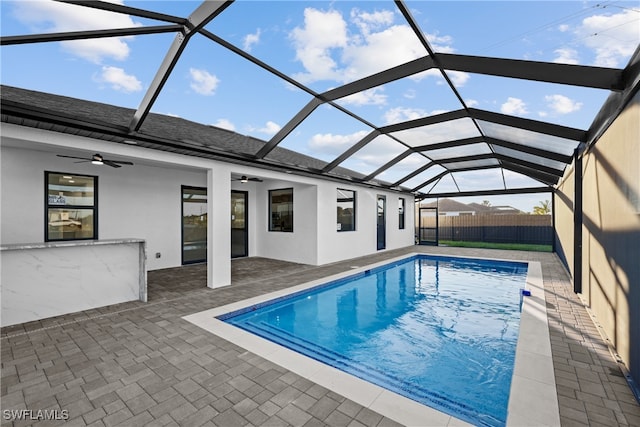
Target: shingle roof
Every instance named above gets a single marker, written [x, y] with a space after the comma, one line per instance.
[162, 128]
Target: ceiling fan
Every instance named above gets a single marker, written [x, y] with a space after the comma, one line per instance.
[97, 159]
[244, 179]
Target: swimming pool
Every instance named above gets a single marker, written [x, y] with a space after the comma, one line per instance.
[532, 397]
[441, 331]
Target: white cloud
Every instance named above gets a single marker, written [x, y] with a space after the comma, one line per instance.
[43, 16]
[613, 38]
[328, 143]
[225, 124]
[119, 80]
[321, 33]
[270, 128]
[251, 39]
[203, 82]
[566, 56]
[458, 78]
[514, 106]
[561, 104]
[471, 102]
[563, 28]
[368, 22]
[379, 51]
[410, 94]
[332, 48]
[382, 146]
[400, 114]
[374, 154]
[367, 97]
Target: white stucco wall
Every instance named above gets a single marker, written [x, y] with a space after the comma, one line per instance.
[144, 201]
[297, 246]
[137, 201]
[335, 246]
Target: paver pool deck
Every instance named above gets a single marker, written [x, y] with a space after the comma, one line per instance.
[136, 364]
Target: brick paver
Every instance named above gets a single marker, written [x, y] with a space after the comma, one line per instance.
[137, 364]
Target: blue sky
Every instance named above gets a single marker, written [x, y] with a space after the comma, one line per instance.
[324, 45]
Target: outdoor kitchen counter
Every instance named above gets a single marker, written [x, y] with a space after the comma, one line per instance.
[47, 279]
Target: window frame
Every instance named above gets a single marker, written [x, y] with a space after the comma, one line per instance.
[93, 208]
[402, 209]
[270, 223]
[354, 201]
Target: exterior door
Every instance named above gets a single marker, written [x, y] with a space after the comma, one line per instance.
[239, 230]
[382, 231]
[194, 225]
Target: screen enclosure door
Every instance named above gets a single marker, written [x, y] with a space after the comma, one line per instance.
[428, 226]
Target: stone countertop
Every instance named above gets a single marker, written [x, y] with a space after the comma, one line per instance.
[68, 243]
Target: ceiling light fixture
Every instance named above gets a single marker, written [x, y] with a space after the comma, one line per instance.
[244, 179]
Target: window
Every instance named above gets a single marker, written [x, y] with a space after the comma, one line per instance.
[346, 210]
[194, 224]
[71, 206]
[281, 210]
[401, 213]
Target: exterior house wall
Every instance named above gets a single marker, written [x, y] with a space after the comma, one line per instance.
[297, 246]
[144, 201]
[397, 238]
[133, 201]
[336, 245]
[611, 233]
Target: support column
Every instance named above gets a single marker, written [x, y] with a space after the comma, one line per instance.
[219, 227]
[577, 223]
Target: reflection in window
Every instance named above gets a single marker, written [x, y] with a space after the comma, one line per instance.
[401, 213]
[281, 210]
[71, 207]
[346, 200]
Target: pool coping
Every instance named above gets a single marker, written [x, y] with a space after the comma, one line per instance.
[533, 399]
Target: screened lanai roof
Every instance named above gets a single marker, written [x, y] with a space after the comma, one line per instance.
[434, 98]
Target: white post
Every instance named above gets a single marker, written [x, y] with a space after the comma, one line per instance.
[219, 227]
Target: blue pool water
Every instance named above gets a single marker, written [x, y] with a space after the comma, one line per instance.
[441, 331]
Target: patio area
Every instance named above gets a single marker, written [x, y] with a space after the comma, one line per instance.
[141, 364]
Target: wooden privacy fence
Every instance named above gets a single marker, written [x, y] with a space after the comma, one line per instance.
[530, 229]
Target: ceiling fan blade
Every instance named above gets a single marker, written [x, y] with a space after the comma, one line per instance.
[74, 157]
[83, 161]
[255, 179]
[111, 163]
[120, 162]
